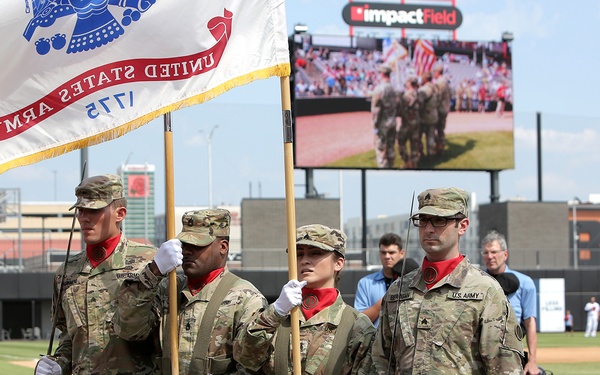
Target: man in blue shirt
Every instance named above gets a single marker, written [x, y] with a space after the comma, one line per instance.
[372, 288]
[523, 300]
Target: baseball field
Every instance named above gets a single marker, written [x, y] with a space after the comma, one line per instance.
[560, 354]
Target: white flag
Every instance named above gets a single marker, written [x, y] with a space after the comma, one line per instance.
[79, 73]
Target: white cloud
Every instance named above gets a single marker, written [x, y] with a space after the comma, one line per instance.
[584, 141]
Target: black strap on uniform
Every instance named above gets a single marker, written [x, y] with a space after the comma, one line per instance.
[200, 361]
[340, 343]
[282, 347]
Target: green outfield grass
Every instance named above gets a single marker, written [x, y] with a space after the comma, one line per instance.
[560, 340]
[21, 350]
[477, 150]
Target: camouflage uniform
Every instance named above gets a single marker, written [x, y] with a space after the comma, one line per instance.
[88, 343]
[429, 100]
[463, 325]
[443, 89]
[383, 110]
[255, 346]
[409, 131]
[144, 304]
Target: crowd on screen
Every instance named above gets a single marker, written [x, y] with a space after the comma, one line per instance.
[322, 72]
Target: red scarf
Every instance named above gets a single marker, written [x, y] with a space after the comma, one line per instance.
[435, 271]
[197, 284]
[315, 300]
[99, 252]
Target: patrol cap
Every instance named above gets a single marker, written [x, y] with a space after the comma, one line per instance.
[323, 237]
[443, 202]
[414, 81]
[384, 69]
[202, 227]
[98, 191]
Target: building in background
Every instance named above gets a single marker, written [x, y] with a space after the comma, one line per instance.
[138, 183]
[537, 233]
[35, 235]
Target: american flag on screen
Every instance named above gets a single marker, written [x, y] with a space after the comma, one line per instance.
[424, 56]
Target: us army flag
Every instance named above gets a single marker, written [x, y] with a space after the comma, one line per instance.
[79, 73]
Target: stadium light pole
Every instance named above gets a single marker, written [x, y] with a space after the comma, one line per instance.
[574, 204]
[210, 187]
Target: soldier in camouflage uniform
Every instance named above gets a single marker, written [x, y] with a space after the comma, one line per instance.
[429, 100]
[334, 337]
[88, 343]
[384, 103]
[205, 338]
[409, 131]
[447, 317]
[443, 90]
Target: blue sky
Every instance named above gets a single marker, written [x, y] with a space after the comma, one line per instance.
[555, 50]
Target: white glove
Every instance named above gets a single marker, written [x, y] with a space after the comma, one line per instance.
[169, 256]
[47, 366]
[290, 297]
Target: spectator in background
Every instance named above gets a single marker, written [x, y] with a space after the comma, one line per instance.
[523, 300]
[500, 98]
[593, 309]
[301, 88]
[569, 323]
[372, 287]
[481, 98]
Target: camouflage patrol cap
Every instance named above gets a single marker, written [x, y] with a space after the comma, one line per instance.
[98, 191]
[202, 227]
[384, 69]
[443, 202]
[323, 237]
[414, 81]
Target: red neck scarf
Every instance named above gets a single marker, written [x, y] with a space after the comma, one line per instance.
[99, 252]
[197, 284]
[435, 271]
[315, 300]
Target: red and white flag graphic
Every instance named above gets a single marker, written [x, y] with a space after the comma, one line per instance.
[80, 73]
[424, 56]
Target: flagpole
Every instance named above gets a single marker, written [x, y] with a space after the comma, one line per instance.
[288, 152]
[170, 224]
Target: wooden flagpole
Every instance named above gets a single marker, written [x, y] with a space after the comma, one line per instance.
[170, 224]
[288, 151]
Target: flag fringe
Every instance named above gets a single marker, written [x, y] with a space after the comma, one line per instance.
[280, 70]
